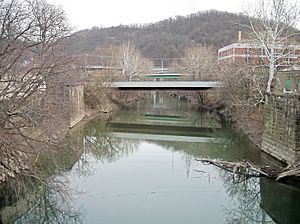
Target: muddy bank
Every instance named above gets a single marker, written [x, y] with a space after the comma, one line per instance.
[108, 106]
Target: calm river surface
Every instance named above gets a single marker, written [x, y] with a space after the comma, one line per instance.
[140, 168]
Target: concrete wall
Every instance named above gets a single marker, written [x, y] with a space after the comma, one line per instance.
[76, 104]
[66, 103]
[281, 127]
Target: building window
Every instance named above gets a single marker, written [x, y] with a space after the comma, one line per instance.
[248, 55]
[296, 84]
[248, 51]
[287, 85]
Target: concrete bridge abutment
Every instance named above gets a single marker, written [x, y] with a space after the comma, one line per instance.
[75, 103]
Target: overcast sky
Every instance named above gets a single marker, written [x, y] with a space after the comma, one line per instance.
[88, 13]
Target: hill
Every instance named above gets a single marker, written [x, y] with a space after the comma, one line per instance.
[167, 38]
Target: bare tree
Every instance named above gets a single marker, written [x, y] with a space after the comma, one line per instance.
[32, 65]
[123, 62]
[131, 61]
[245, 87]
[119, 62]
[242, 96]
[273, 26]
[199, 61]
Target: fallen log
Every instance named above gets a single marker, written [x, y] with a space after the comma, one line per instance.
[241, 168]
[248, 169]
[295, 173]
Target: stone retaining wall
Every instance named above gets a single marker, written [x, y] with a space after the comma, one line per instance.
[281, 127]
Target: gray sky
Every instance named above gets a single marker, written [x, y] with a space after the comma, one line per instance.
[88, 13]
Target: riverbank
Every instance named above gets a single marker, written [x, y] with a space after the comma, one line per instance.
[249, 124]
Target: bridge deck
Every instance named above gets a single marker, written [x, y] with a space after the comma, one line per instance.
[153, 85]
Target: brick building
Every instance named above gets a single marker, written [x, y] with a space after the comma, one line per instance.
[254, 53]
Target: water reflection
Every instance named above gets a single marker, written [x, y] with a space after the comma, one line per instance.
[103, 146]
[168, 131]
[42, 197]
[141, 168]
[280, 201]
[50, 206]
[246, 200]
[170, 113]
[31, 201]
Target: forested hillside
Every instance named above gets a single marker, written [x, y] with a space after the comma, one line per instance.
[166, 38]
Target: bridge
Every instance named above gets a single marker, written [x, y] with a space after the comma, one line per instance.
[164, 85]
[162, 79]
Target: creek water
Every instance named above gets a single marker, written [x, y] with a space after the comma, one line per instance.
[140, 167]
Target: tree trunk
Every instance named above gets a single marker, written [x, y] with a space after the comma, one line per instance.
[272, 65]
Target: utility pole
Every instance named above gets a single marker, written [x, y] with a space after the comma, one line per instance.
[192, 6]
[85, 62]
